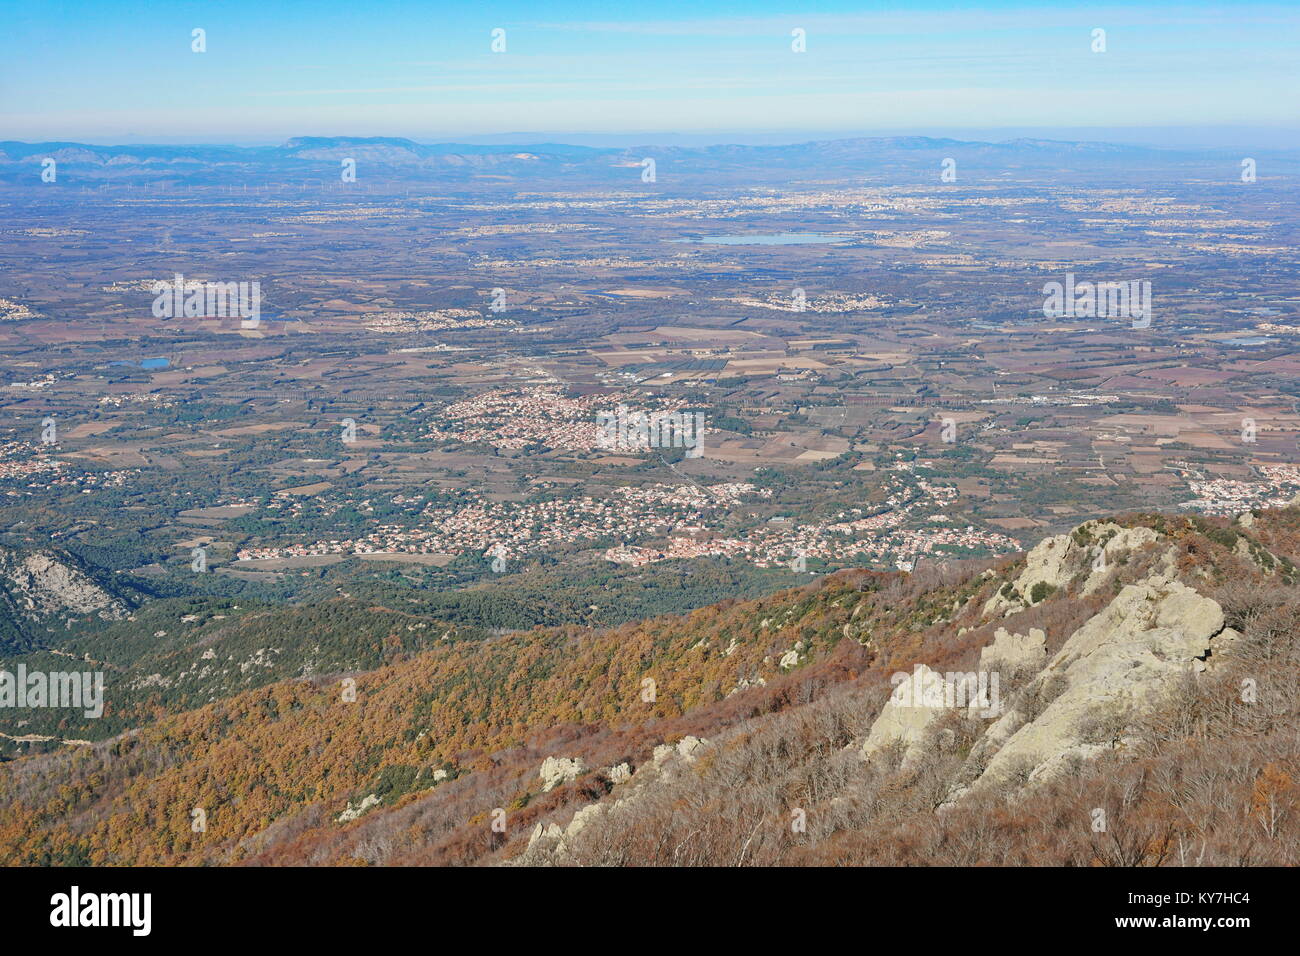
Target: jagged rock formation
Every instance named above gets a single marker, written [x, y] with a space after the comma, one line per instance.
[686, 750]
[1015, 652]
[1151, 634]
[1094, 547]
[558, 770]
[907, 716]
[368, 802]
[1112, 668]
[549, 843]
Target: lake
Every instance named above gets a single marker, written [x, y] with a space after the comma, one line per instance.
[771, 239]
[148, 363]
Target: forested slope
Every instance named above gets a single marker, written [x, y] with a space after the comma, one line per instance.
[696, 738]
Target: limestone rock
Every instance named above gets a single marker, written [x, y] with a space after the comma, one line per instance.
[558, 770]
[1012, 652]
[1147, 637]
[913, 706]
[368, 802]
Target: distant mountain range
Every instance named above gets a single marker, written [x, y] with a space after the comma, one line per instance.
[380, 158]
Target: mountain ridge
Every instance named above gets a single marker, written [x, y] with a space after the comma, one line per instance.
[434, 742]
[403, 157]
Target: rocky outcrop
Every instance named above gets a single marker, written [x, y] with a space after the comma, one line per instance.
[745, 683]
[551, 837]
[1085, 698]
[557, 770]
[686, 749]
[1112, 544]
[369, 802]
[1015, 653]
[42, 585]
[918, 701]
[1263, 559]
[550, 833]
[1152, 633]
[902, 723]
[1094, 548]
[548, 843]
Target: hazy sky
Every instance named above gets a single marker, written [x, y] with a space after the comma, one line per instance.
[116, 72]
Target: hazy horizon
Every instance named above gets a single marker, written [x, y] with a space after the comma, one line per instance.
[1226, 137]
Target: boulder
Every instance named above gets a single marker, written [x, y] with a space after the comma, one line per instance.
[688, 748]
[558, 770]
[550, 832]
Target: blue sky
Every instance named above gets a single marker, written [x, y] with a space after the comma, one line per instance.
[122, 72]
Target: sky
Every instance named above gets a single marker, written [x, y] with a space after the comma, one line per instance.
[110, 72]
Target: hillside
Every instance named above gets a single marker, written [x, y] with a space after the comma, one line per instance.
[44, 589]
[1146, 677]
[170, 654]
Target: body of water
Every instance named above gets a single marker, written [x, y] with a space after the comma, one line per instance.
[771, 239]
[149, 363]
